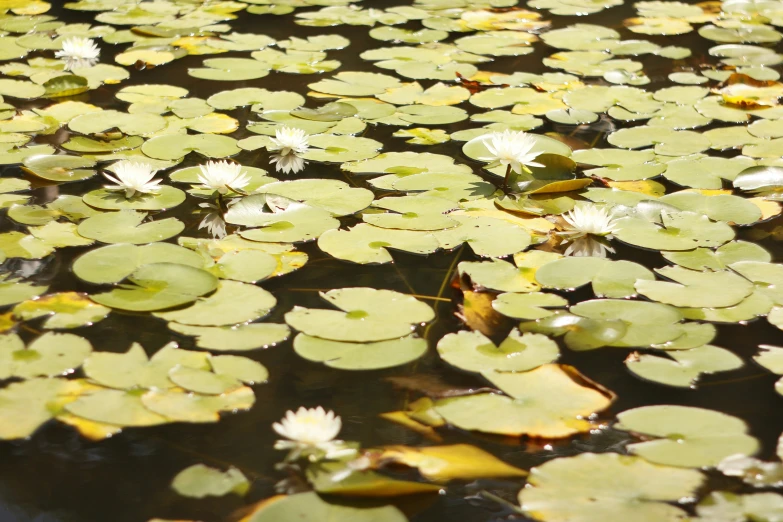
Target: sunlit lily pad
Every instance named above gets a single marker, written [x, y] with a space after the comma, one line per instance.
[723, 505]
[232, 303]
[310, 507]
[595, 487]
[368, 244]
[684, 367]
[60, 168]
[534, 305]
[134, 369]
[63, 310]
[688, 437]
[50, 355]
[366, 315]
[158, 286]
[13, 290]
[125, 226]
[608, 278]
[176, 146]
[297, 222]
[235, 338]
[677, 231]
[165, 198]
[696, 289]
[550, 402]
[25, 406]
[472, 351]
[199, 481]
[361, 355]
[113, 263]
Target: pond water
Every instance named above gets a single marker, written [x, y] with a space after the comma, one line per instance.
[672, 314]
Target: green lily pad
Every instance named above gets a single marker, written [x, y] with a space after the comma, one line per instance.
[596, 487]
[115, 407]
[173, 147]
[63, 310]
[297, 222]
[241, 368]
[486, 236]
[646, 323]
[182, 406]
[472, 351]
[499, 275]
[366, 244]
[230, 69]
[334, 196]
[720, 258]
[366, 315]
[50, 355]
[13, 290]
[360, 355]
[545, 402]
[687, 437]
[684, 367]
[199, 481]
[531, 306]
[158, 286]
[696, 289]
[235, 338]
[133, 369]
[581, 333]
[232, 303]
[130, 124]
[723, 505]
[167, 197]
[60, 168]
[25, 406]
[677, 231]
[203, 381]
[125, 226]
[113, 263]
[310, 507]
[17, 244]
[608, 278]
[336, 148]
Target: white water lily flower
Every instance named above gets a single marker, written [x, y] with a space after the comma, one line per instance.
[588, 226]
[78, 52]
[223, 176]
[509, 148]
[289, 143]
[133, 177]
[311, 432]
[589, 219]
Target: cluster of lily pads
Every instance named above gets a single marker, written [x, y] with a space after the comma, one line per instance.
[691, 170]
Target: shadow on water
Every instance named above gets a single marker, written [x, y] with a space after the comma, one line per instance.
[57, 476]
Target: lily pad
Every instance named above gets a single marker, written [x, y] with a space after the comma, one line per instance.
[360, 356]
[165, 198]
[684, 367]
[50, 355]
[550, 402]
[472, 351]
[594, 487]
[688, 437]
[608, 278]
[62, 310]
[125, 226]
[157, 286]
[232, 303]
[199, 481]
[113, 263]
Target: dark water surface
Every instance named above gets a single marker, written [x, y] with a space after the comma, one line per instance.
[59, 476]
